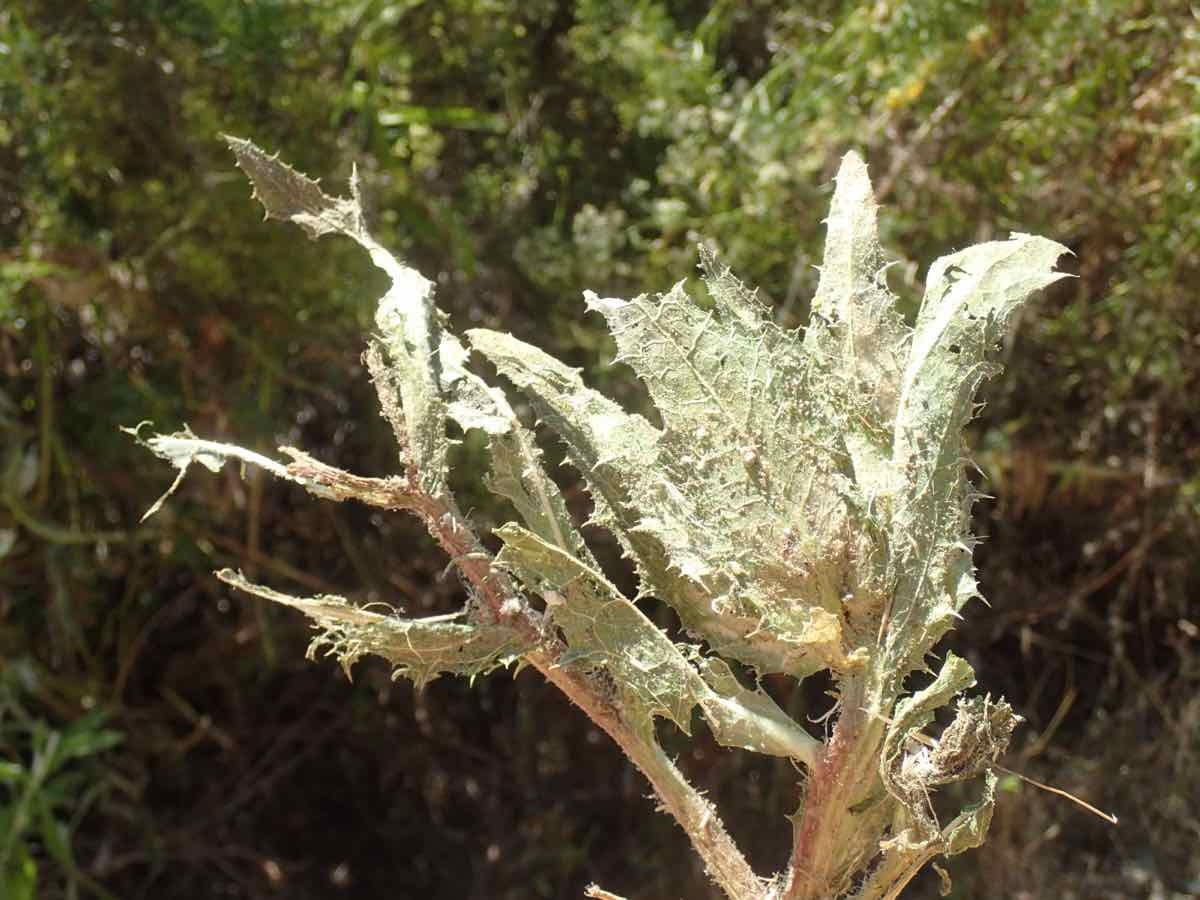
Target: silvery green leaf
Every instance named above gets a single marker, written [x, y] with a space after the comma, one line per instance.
[656, 518]
[969, 828]
[291, 196]
[911, 847]
[419, 649]
[517, 475]
[750, 719]
[605, 630]
[517, 472]
[182, 448]
[856, 336]
[407, 319]
[969, 298]
[914, 713]
[471, 402]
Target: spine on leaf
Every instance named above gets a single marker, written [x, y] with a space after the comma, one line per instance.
[803, 507]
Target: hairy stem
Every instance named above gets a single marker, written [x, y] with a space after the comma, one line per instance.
[696, 816]
[501, 602]
[845, 809]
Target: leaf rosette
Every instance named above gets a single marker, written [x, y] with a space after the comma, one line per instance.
[803, 506]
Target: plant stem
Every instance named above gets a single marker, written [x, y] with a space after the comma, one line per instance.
[696, 816]
[57, 534]
[503, 603]
[500, 602]
[45, 405]
[846, 808]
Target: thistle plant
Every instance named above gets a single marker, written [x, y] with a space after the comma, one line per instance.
[804, 507]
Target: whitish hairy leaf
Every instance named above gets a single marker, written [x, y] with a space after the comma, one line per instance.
[407, 319]
[618, 454]
[912, 847]
[420, 649]
[911, 770]
[969, 298]
[856, 336]
[746, 497]
[805, 496]
[914, 713]
[517, 472]
[604, 630]
[291, 196]
[654, 676]
[182, 448]
[740, 717]
[969, 828]
[853, 257]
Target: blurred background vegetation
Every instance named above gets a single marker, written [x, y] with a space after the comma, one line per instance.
[162, 738]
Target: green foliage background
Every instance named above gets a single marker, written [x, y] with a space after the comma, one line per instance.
[520, 152]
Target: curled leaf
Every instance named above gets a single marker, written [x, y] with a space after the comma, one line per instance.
[750, 719]
[605, 630]
[406, 316]
[420, 649]
[182, 448]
